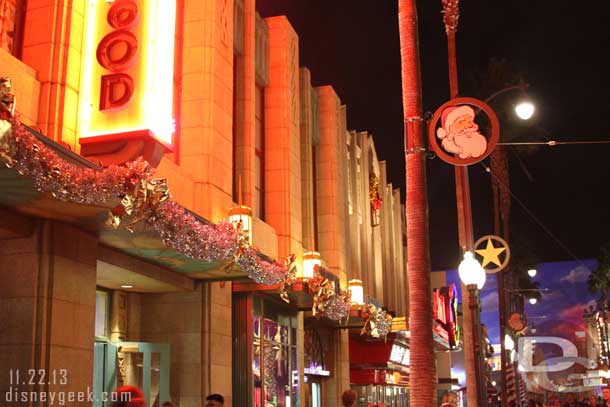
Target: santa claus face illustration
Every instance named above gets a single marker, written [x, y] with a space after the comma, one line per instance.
[460, 134]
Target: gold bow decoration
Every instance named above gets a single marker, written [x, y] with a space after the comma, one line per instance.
[289, 278]
[378, 322]
[7, 111]
[322, 290]
[5, 133]
[147, 194]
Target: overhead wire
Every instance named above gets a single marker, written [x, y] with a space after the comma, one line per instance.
[553, 143]
[530, 213]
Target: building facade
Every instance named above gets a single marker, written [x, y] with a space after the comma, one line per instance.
[103, 307]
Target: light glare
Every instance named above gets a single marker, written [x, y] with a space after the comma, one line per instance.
[525, 110]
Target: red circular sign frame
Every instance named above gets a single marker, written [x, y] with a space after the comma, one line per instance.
[491, 142]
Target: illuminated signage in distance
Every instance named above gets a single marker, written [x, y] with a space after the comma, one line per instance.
[126, 86]
[317, 371]
[445, 314]
[400, 355]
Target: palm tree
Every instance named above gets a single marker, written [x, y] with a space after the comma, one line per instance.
[599, 279]
[422, 370]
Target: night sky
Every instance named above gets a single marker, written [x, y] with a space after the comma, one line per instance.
[559, 47]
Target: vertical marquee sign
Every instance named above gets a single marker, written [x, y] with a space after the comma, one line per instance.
[445, 314]
[126, 88]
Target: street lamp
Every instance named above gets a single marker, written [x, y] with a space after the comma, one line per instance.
[533, 300]
[532, 272]
[473, 276]
[471, 272]
[509, 344]
[525, 110]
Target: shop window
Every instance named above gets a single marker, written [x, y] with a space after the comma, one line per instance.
[259, 155]
[12, 13]
[358, 186]
[349, 175]
[274, 368]
[238, 97]
[102, 314]
[315, 141]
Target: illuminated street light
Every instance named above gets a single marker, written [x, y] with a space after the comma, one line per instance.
[472, 275]
[471, 272]
[533, 301]
[509, 344]
[532, 272]
[525, 110]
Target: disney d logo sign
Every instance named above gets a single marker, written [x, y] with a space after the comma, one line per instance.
[461, 140]
[556, 364]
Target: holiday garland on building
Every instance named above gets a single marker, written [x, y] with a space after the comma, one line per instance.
[139, 198]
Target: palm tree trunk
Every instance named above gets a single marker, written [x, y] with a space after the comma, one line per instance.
[499, 183]
[422, 375]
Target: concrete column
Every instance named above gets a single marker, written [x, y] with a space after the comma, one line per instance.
[245, 108]
[217, 340]
[386, 242]
[52, 46]
[47, 303]
[207, 104]
[330, 200]
[307, 176]
[355, 228]
[399, 257]
[301, 357]
[342, 163]
[338, 357]
[178, 319]
[282, 138]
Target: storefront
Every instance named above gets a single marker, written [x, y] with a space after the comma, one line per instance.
[265, 363]
[317, 343]
[379, 371]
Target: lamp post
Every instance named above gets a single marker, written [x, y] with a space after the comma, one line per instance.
[473, 276]
[524, 110]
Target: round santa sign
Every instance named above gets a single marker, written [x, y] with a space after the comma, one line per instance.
[455, 136]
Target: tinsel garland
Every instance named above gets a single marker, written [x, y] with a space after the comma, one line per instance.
[269, 366]
[338, 306]
[140, 198]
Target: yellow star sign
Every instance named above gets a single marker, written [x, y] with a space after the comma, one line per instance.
[490, 254]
